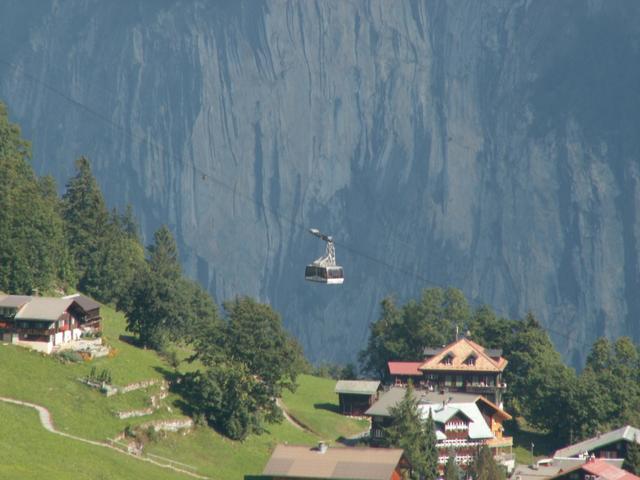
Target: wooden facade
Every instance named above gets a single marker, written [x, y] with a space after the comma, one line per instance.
[355, 404]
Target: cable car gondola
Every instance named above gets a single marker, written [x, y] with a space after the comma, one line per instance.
[324, 269]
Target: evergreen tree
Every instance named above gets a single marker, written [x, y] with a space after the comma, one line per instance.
[32, 254]
[430, 449]
[86, 219]
[451, 470]
[408, 432]
[632, 459]
[157, 306]
[485, 467]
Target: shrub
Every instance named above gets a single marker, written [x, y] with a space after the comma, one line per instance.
[69, 356]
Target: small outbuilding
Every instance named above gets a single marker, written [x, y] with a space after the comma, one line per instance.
[356, 396]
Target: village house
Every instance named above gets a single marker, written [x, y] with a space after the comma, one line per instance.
[92, 319]
[356, 396]
[461, 366]
[594, 469]
[345, 463]
[550, 468]
[612, 444]
[464, 423]
[45, 323]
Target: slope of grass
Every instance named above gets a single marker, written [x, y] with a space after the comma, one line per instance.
[315, 405]
[221, 458]
[85, 412]
[30, 452]
[76, 408]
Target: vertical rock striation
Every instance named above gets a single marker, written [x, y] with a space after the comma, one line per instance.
[491, 146]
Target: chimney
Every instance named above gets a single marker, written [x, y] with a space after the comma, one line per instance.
[322, 447]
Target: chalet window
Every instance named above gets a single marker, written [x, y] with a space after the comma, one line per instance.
[447, 360]
[471, 360]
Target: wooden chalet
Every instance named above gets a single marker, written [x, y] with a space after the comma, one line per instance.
[322, 462]
[464, 423]
[462, 366]
[92, 319]
[613, 444]
[356, 396]
[41, 323]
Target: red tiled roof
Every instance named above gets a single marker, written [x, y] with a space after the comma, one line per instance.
[606, 471]
[405, 368]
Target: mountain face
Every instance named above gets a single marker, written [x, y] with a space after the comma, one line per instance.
[493, 146]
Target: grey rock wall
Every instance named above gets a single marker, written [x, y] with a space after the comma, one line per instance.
[492, 146]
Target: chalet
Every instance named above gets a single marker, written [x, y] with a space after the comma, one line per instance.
[92, 319]
[322, 462]
[356, 396]
[594, 469]
[462, 366]
[464, 422]
[612, 444]
[41, 323]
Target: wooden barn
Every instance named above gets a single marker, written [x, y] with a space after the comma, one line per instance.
[356, 396]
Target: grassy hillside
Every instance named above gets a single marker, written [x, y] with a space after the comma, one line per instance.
[29, 452]
[85, 412]
[315, 405]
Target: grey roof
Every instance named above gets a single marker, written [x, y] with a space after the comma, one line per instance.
[526, 472]
[44, 308]
[361, 387]
[87, 303]
[627, 433]
[13, 301]
[493, 352]
[430, 351]
[393, 396]
[334, 463]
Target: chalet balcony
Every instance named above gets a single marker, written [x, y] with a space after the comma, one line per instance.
[500, 442]
[480, 389]
[458, 443]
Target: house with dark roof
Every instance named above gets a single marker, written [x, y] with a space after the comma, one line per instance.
[356, 396]
[41, 323]
[344, 463]
[611, 444]
[461, 366]
[92, 319]
[464, 422]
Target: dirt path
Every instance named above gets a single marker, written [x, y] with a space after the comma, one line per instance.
[290, 419]
[47, 424]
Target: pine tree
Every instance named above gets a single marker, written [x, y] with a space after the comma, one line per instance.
[86, 220]
[430, 449]
[157, 306]
[485, 466]
[408, 432]
[632, 459]
[31, 248]
[451, 470]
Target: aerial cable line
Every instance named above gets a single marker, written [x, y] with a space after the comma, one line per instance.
[204, 175]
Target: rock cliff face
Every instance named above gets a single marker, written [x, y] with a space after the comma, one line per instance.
[493, 146]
